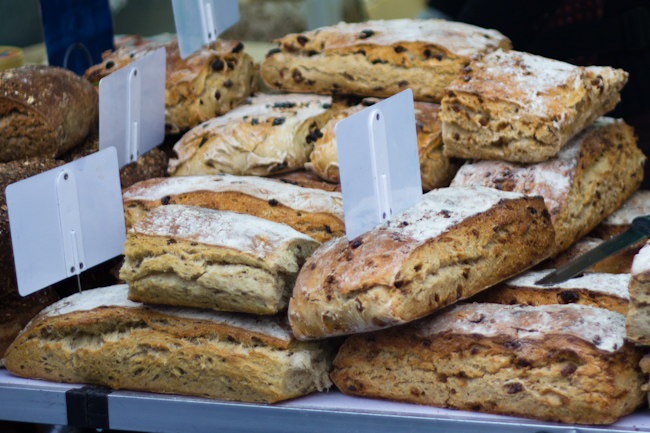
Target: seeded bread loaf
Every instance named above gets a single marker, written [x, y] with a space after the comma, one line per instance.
[196, 257]
[436, 170]
[316, 213]
[609, 291]
[586, 181]
[268, 134]
[378, 58]
[208, 83]
[519, 107]
[99, 337]
[566, 363]
[638, 319]
[44, 111]
[454, 243]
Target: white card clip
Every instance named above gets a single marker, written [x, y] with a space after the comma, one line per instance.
[379, 165]
[199, 22]
[66, 220]
[132, 107]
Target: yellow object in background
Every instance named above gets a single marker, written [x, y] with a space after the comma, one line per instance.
[392, 9]
[10, 57]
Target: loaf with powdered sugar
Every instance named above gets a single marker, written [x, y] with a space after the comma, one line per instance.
[566, 363]
[452, 244]
[100, 337]
[191, 256]
[515, 106]
[316, 213]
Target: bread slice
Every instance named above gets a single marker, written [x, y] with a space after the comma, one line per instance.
[196, 257]
[566, 363]
[515, 106]
[100, 337]
[378, 58]
[609, 291]
[586, 181]
[316, 213]
[451, 245]
[208, 83]
[269, 134]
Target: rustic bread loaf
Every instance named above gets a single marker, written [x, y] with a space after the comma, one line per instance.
[567, 363]
[451, 245]
[196, 257]
[609, 291]
[208, 83]
[99, 337]
[621, 219]
[638, 318]
[378, 58]
[307, 179]
[515, 106]
[436, 170]
[316, 213]
[586, 181]
[268, 134]
[44, 111]
[617, 263]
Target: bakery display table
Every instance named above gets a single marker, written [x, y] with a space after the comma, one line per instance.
[42, 402]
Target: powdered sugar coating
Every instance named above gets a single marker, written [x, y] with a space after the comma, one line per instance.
[641, 262]
[637, 205]
[242, 232]
[117, 296]
[292, 196]
[551, 179]
[602, 328]
[611, 284]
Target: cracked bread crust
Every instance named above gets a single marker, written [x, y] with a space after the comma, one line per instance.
[268, 134]
[451, 245]
[436, 170]
[515, 106]
[208, 83]
[99, 337]
[378, 58]
[316, 213]
[195, 257]
[563, 363]
[44, 111]
[587, 180]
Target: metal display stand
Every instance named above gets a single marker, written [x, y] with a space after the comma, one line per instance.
[50, 403]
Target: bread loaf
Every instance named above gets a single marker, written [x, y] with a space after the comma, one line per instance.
[519, 107]
[316, 213]
[307, 179]
[451, 245]
[208, 83]
[621, 219]
[377, 58]
[617, 263]
[99, 337]
[268, 134]
[638, 319]
[44, 111]
[566, 363]
[609, 291]
[586, 181]
[196, 257]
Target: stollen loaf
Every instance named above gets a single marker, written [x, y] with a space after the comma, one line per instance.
[378, 58]
[100, 337]
[191, 256]
[566, 363]
[515, 106]
[452, 244]
[316, 213]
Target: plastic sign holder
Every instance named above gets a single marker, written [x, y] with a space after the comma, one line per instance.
[378, 163]
[132, 107]
[66, 220]
[199, 22]
[76, 32]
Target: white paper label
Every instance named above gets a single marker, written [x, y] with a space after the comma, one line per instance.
[132, 107]
[66, 220]
[378, 163]
[199, 22]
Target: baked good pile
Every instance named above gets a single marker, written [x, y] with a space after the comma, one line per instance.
[238, 281]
